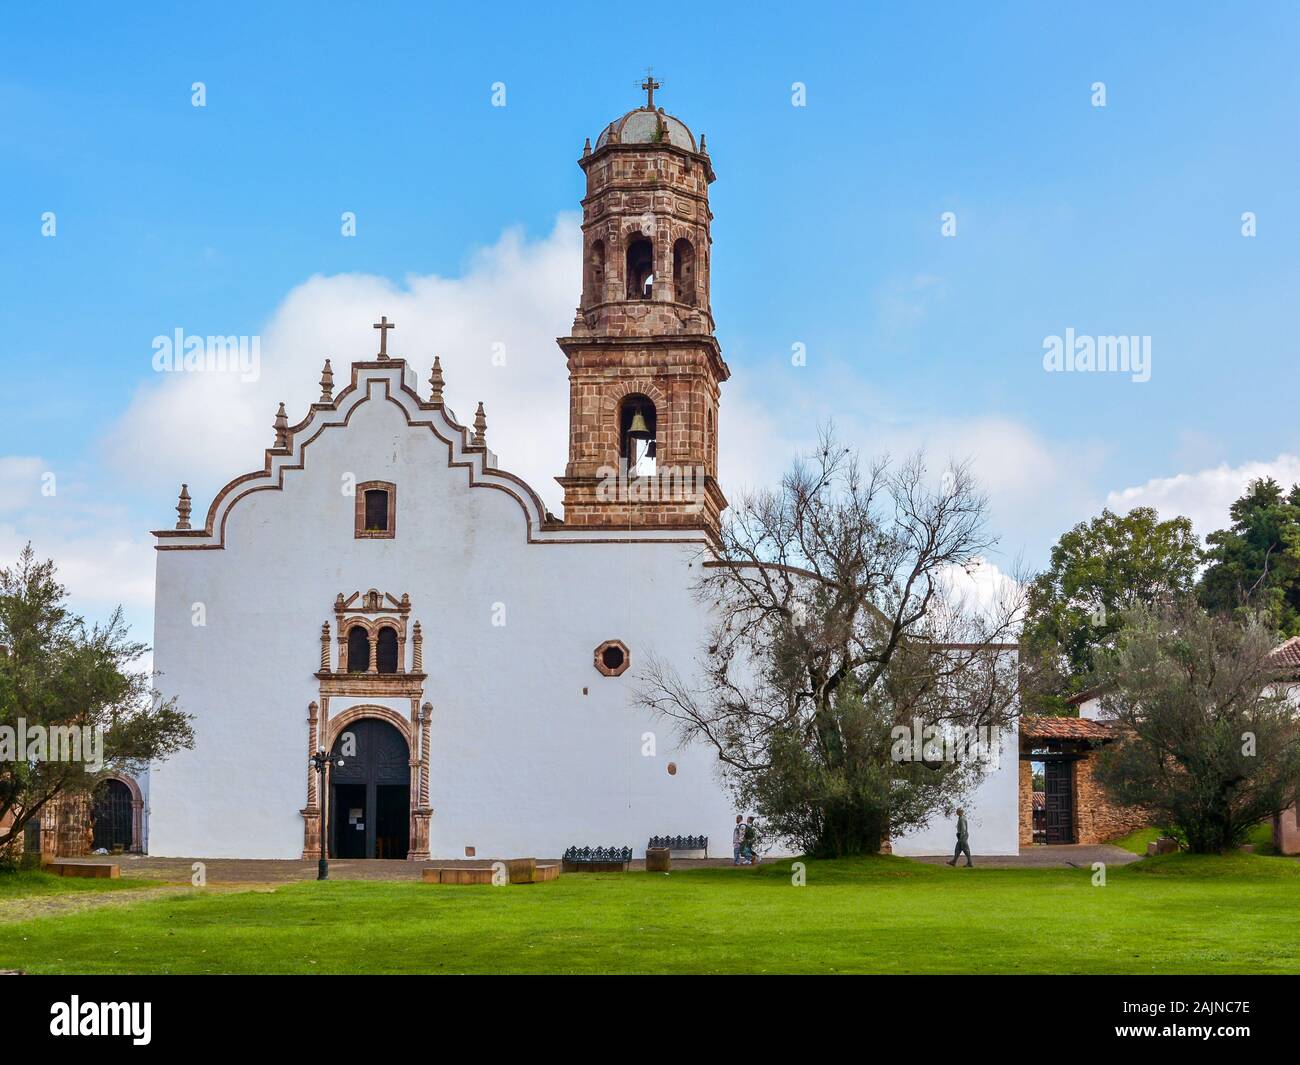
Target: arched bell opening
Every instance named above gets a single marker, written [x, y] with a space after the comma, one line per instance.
[640, 268]
[684, 272]
[596, 272]
[637, 434]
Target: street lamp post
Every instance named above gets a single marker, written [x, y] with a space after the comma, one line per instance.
[319, 761]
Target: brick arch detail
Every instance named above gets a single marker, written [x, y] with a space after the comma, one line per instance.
[338, 725]
[415, 731]
[632, 228]
[613, 396]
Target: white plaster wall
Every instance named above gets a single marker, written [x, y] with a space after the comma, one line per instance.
[523, 762]
[992, 812]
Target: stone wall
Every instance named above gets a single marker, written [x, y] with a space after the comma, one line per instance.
[1096, 819]
[1026, 803]
[1286, 830]
[681, 379]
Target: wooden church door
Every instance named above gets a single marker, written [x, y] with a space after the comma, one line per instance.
[370, 794]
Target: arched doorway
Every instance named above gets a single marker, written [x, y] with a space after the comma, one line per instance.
[111, 815]
[370, 795]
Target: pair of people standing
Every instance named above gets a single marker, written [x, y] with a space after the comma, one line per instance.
[744, 837]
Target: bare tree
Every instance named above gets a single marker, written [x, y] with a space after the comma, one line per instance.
[842, 636]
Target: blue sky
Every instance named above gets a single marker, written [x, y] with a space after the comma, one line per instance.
[1117, 220]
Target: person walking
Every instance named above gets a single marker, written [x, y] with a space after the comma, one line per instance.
[737, 839]
[963, 840]
[750, 841]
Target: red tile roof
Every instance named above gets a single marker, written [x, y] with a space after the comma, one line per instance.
[1287, 655]
[1063, 728]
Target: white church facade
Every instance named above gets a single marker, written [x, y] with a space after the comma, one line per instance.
[383, 582]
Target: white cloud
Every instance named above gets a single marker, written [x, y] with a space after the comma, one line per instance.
[205, 429]
[513, 300]
[1036, 487]
[1012, 463]
[103, 559]
[20, 481]
[1206, 495]
[984, 588]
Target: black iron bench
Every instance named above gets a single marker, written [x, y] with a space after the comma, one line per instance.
[682, 846]
[596, 860]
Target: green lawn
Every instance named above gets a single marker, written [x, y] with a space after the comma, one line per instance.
[1174, 914]
[27, 883]
[1260, 836]
[1136, 842]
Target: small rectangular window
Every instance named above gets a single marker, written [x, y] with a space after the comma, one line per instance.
[376, 510]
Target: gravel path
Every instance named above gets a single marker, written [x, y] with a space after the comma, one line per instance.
[1062, 856]
[29, 907]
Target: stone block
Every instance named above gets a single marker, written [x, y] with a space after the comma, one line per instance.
[92, 870]
[658, 860]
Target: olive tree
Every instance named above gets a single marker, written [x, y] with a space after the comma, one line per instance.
[849, 667]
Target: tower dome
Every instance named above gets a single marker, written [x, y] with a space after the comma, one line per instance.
[646, 126]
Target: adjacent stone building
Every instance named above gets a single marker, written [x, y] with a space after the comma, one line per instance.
[1076, 810]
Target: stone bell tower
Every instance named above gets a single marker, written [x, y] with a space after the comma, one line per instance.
[644, 365]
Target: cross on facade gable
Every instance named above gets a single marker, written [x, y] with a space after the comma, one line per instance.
[383, 325]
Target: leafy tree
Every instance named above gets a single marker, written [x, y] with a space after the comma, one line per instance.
[1098, 570]
[1209, 744]
[1255, 563]
[840, 626]
[56, 675]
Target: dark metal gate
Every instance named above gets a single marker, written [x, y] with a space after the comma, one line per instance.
[111, 816]
[1059, 795]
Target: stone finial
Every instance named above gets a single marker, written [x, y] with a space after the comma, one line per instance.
[325, 647]
[417, 649]
[704, 149]
[436, 382]
[183, 508]
[586, 148]
[281, 429]
[327, 384]
[479, 439]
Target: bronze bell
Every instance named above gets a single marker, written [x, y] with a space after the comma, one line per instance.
[639, 430]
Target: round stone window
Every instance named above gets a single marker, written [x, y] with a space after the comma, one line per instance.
[612, 658]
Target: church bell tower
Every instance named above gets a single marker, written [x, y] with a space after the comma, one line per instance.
[644, 365]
